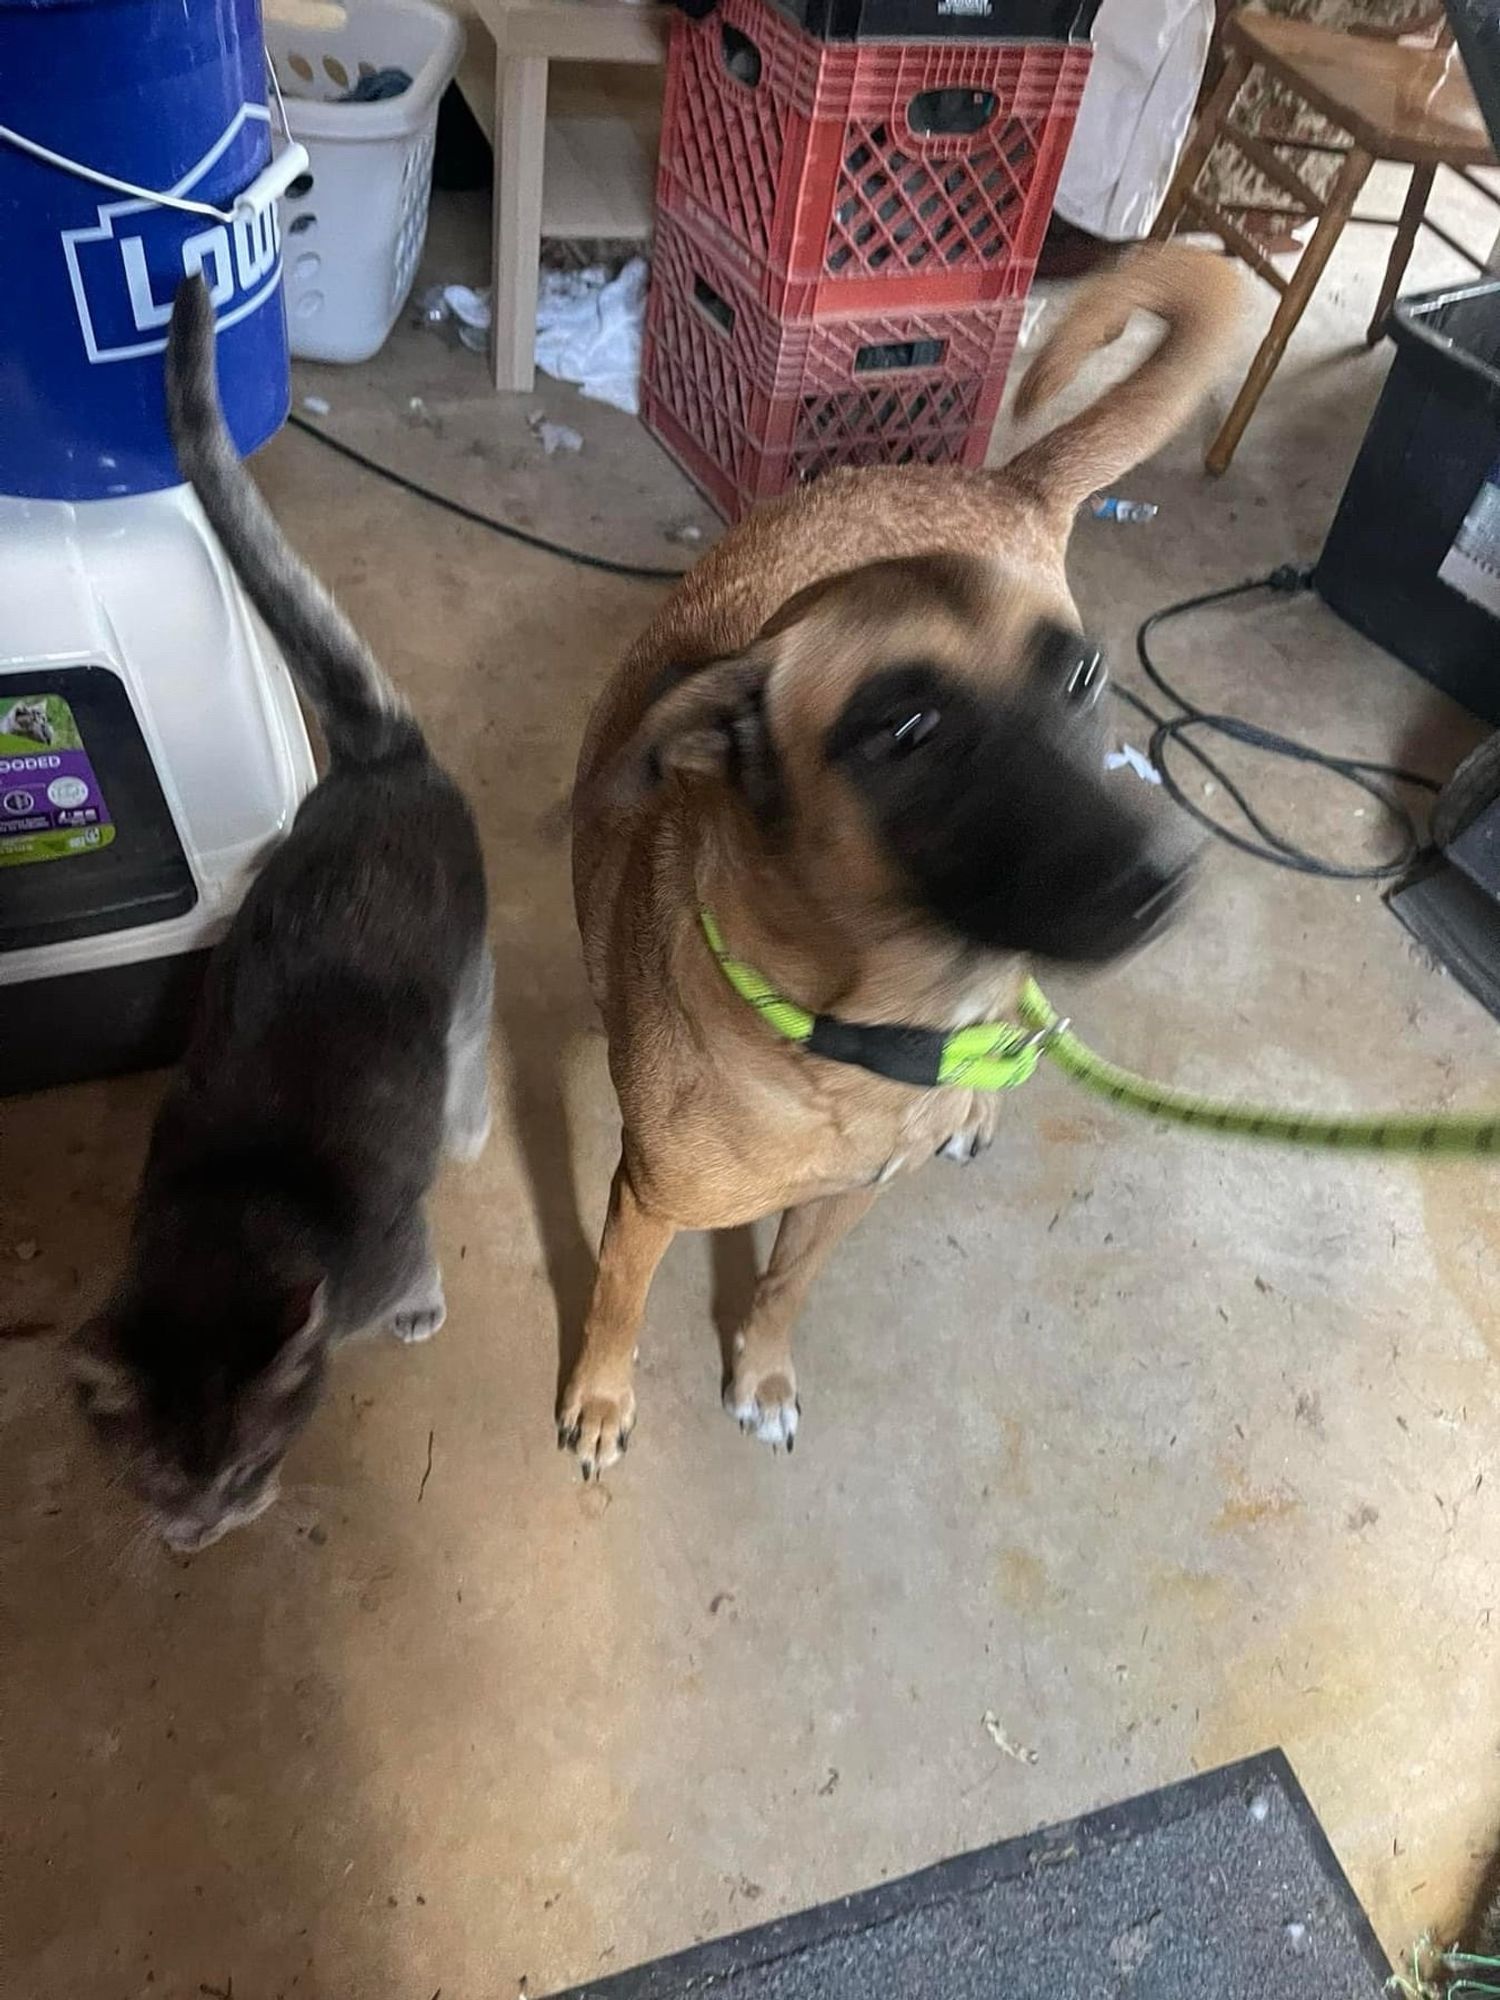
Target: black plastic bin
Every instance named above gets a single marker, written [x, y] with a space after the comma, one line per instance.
[1433, 439]
[931, 20]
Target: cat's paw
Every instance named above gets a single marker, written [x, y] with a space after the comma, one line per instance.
[417, 1323]
[596, 1428]
[765, 1405]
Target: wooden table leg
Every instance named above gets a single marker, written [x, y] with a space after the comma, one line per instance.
[1345, 192]
[520, 143]
[1200, 144]
[1406, 235]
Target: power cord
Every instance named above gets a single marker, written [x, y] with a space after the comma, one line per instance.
[1375, 779]
[638, 572]
[1370, 777]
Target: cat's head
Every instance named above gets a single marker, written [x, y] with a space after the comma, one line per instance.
[195, 1399]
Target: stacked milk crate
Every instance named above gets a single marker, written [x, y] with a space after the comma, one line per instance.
[852, 199]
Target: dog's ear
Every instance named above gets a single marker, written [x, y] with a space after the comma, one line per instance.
[709, 720]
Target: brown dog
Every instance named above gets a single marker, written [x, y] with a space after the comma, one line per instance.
[858, 735]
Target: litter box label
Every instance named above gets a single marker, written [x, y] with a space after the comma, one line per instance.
[51, 807]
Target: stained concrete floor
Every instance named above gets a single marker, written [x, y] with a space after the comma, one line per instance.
[1160, 1450]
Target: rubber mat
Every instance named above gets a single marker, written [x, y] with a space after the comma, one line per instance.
[1223, 1887]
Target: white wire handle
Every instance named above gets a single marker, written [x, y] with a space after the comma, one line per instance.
[268, 186]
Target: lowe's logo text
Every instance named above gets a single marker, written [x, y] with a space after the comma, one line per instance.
[125, 270]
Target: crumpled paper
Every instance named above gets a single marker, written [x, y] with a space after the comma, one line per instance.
[589, 328]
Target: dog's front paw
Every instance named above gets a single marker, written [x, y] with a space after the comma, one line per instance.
[766, 1405]
[595, 1427]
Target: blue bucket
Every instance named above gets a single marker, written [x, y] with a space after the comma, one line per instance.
[168, 95]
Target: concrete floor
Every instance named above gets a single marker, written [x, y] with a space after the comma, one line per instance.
[1162, 1451]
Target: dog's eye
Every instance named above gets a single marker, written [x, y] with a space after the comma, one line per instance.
[903, 732]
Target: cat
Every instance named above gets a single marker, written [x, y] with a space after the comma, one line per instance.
[340, 1046]
[28, 719]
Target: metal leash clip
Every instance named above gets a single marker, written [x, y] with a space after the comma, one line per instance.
[1041, 1039]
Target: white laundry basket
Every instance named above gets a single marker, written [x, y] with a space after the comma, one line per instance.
[353, 226]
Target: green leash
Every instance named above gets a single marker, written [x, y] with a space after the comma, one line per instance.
[1000, 1055]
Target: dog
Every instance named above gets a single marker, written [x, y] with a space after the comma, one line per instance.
[856, 755]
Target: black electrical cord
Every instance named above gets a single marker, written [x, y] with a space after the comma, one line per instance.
[638, 572]
[1372, 778]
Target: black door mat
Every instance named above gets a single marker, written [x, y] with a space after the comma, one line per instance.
[1221, 1888]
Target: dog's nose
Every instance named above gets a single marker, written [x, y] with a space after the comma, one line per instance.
[1160, 894]
[1133, 906]
[1150, 893]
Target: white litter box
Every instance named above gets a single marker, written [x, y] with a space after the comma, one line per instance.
[353, 226]
[151, 750]
[138, 694]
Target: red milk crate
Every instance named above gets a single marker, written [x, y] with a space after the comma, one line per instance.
[749, 404]
[851, 177]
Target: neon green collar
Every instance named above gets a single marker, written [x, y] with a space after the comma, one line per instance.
[998, 1055]
[994, 1055]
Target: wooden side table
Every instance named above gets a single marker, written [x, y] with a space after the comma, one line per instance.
[529, 36]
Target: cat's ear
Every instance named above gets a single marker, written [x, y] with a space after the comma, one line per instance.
[303, 1335]
[101, 1381]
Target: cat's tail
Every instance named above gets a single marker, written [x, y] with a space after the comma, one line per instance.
[363, 718]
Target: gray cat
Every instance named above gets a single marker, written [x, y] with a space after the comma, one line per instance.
[341, 1046]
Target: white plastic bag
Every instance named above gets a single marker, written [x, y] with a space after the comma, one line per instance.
[1133, 122]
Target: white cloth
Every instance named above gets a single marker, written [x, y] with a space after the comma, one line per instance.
[588, 331]
[1137, 106]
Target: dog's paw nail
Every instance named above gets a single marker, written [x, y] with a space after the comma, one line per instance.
[600, 1430]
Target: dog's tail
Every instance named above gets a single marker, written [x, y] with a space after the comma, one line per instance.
[363, 718]
[1199, 296]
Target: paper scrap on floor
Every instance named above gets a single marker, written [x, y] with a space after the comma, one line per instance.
[588, 331]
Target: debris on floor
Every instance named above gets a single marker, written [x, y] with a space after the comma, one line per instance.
[588, 331]
[1110, 507]
[551, 436]
[995, 1730]
[316, 406]
[465, 307]
[1128, 758]
[589, 325]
